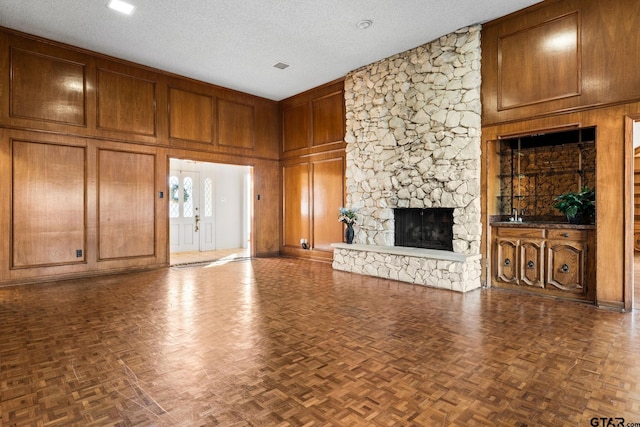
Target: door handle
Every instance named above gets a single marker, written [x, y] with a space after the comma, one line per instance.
[197, 223]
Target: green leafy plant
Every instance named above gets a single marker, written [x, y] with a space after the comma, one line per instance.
[578, 206]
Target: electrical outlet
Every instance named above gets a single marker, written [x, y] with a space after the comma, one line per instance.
[78, 253]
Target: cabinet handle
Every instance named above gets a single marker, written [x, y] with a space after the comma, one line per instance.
[507, 261]
[531, 264]
[565, 268]
[565, 235]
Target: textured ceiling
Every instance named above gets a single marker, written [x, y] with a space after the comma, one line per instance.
[235, 43]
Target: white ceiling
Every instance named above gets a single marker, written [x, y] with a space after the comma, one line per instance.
[235, 43]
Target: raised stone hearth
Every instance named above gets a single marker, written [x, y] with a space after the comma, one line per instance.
[413, 141]
[429, 267]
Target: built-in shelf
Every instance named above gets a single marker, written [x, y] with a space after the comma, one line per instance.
[535, 169]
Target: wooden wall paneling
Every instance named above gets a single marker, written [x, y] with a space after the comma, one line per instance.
[245, 127]
[296, 127]
[328, 197]
[125, 103]
[267, 185]
[191, 116]
[607, 59]
[161, 205]
[540, 63]
[328, 118]
[268, 130]
[46, 88]
[48, 204]
[236, 124]
[611, 67]
[121, 101]
[296, 204]
[126, 204]
[313, 124]
[5, 204]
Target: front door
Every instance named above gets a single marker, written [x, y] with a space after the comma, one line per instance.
[184, 211]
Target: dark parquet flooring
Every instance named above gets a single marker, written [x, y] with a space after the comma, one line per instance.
[285, 342]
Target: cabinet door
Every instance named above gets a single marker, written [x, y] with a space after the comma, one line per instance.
[532, 263]
[566, 265]
[505, 259]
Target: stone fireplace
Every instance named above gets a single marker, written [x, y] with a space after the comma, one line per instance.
[413, 142]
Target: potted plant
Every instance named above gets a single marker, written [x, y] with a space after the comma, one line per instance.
[349, 217]
[578, 206]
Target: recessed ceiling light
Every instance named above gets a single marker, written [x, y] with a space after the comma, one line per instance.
[280, 65]
[364, 24]
[121, 6]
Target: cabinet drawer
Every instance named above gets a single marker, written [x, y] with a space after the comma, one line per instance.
[521, 232]
[567, 234]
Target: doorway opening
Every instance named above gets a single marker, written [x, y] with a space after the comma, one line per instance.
[210, 211]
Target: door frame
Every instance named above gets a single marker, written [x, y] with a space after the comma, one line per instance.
[250, 197]
[628, 214]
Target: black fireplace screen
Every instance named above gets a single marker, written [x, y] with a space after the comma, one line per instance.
[430, 228]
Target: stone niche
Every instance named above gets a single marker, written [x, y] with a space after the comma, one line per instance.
[413, 141]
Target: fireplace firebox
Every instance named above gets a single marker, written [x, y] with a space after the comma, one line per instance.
[429, 228]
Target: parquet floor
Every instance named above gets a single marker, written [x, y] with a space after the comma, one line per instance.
[286, 342]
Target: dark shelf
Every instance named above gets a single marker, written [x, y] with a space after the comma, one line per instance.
[545, 173]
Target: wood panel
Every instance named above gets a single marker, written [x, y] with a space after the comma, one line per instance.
[328, 197]
[48, 193]
[296, 128]
[190, 116]
[126, 204]
[267, 205]
[540, 63]
[236, 124]
[46, 88]
[328, 119]
[296, 204]
[607, 59]
[125, 103]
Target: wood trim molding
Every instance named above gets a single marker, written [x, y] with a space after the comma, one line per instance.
[628, 291]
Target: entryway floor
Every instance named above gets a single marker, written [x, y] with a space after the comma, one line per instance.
[199, 257]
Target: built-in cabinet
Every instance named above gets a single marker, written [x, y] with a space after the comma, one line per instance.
[555, 261]
[557, 65]
[520, 256]
[534, 248]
